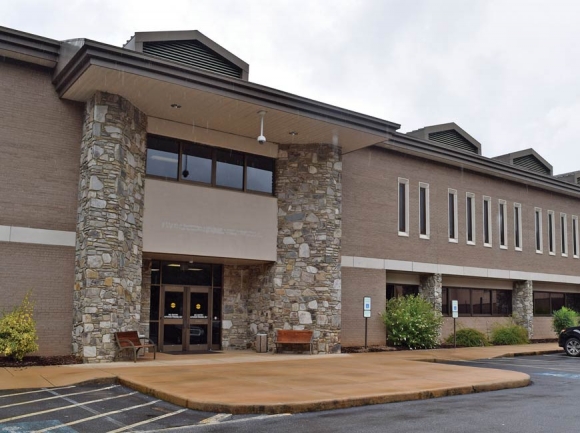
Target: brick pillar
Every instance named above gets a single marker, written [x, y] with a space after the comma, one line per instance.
[431, 288]
[523, 305]
[108, 266]
[305, 284]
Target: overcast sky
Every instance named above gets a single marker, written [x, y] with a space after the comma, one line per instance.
[506, 71]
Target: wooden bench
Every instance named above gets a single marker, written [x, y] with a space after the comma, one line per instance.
[287, 336]
[130, 340]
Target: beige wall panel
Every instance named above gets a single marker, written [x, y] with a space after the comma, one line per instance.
[49, 272]
[194, 220]
[543, 328]
[203, 135]
[478, 283]
[482, 324]
[40, 138]
[370, 215]
[356, 284]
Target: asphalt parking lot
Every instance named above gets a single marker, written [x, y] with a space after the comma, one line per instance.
[93, 408]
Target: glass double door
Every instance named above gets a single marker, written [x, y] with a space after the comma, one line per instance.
[186, 318]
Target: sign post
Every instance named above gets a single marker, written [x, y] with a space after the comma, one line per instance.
[366, 314]
[455, 314]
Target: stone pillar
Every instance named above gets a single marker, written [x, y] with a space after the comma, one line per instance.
[431, 288]
[108, 265]
[523, 305]
[305, 283]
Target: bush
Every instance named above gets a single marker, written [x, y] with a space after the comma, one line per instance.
[411, 321]
[18, 331]
[503, 335]
[469, 337]
[563, 318]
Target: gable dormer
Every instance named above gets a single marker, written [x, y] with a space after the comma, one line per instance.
[573, 177]
[449, 134]
[190, 48]
[527, 159]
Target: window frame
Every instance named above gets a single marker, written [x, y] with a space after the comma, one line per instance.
[564, 234]
[468, 219]
[551, 233]
[518, 237]
[487, 225]
[182, 143]
[427, 234]
[502, 227]
[405, 182]
[454, 239]
[446, 301]
[575, 238]
[538, 232]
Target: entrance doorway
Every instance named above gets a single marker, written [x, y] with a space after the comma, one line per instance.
[186, 306]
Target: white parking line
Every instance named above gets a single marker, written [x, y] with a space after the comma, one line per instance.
[14, 418]
[90, 418]
[57, 396]
[38, 390]
[147, 421]
[216, 418]
[236, 421]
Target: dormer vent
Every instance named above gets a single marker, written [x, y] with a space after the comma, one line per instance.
[192, 53]
[449, 134]
[527, 159]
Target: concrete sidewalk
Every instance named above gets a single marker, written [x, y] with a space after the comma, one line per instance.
[247, 382]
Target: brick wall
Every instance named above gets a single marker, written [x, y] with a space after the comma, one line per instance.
[356, 284]
[40, 138]
[370, 215]
[49, 272]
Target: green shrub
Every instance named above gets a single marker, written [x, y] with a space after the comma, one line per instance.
[469, 337]
[502, 335]
[411, 321]
[18, 331]
[563, 318]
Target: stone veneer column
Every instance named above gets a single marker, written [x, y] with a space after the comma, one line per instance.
[305, 291]
[107, 293]
[523, 305]
[431, 288]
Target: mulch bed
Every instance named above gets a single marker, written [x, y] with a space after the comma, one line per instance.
[35, 361]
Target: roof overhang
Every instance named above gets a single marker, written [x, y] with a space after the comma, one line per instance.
[433, 151]
[210, 100]
[28, 48]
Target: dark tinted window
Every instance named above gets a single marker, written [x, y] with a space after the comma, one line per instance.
[154, 311]
[196, 163]
[260, 174]
[481, 301]
[423, 210]
[556, 301]
[517, 224]
[452, 216]
[155, 272]
[541, 303]
[229, 169]
[486, 221]
[402, 208]
[217, 275]
[464, 300]
[469, 219]
[573, 301]
[162, 157]
[501, 302]
[396, 290]
[186, 274]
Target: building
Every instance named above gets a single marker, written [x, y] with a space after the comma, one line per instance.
[135, 195]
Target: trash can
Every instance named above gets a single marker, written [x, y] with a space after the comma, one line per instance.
[261, 343]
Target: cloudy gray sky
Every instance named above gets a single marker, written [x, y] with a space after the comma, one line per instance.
[507, 71]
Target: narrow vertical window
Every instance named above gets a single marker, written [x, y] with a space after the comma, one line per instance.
[538, 232]
[403, 207]
[470, 218]
[452, 215]
[575, 236]
[564, 234]
[518, 226]
[486, 221]
[502, 221]
[424, 223]
[551, 233]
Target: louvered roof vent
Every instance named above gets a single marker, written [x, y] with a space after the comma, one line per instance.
[190, 48]
[527, 159]
[449, 134]
[572, 177]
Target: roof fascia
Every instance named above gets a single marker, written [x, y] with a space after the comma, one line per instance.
[427, 149]
[95, 53]
[28, 47]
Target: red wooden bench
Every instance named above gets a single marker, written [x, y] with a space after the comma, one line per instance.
[130, 340]
[287, 336]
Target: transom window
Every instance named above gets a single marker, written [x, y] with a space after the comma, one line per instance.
[184, 161]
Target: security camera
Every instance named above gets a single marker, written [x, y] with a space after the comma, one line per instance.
[261, 139]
